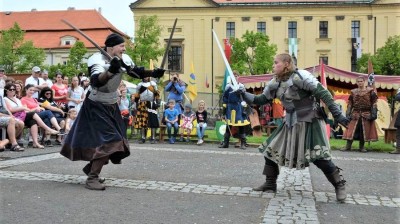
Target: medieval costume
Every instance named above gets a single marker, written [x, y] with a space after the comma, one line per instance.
[362, 110]
[147, 101]
[236, 115]
[301, 139]
[397, 125]
[98, 135]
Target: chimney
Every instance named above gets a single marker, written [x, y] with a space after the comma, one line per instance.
[33, 10]
[71, 8]
[99, 10]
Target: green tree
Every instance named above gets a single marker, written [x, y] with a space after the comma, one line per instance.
[146, 45]
[18, 55]
[76, 54]
[385, 61]
[252, 54]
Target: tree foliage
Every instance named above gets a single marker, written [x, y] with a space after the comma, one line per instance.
[385, 61]
[252, 54]
[17, 54]
[146, 45]
[76, 55]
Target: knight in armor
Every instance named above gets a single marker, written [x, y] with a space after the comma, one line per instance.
[98, 134]
[302, 138]
[147, 100]
[362, 110]
[235, 114]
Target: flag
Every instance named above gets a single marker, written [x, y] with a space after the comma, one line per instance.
[226, 78]
[207, 84]
[322, 74]
[192, 88]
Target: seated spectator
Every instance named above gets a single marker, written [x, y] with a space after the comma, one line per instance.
[187, 118]
[22, 113]
[171, 120]
[19, 86]
[18, 125]
[46, 101]
[60, 92]
[201, 117]
[9, 122]
[72, 114]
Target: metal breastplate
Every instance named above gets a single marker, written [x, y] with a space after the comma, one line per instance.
[107, 94]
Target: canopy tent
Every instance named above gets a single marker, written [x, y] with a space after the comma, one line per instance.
[130, 86]
[338, 80]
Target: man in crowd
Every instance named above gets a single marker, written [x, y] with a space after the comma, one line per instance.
[36, 81]
[45, 77]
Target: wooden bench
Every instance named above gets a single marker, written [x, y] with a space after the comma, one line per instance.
[163, 131]
[390, 135]
[269, 128]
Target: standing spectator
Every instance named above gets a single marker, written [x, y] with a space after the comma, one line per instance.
[80, 76]
[19, 86]
[201, 117]
[123, 105]
[2, 80]
[235, 115]
[187, 122]
[397, 125]
[85, 84]
[363, 111]
[60, 92]
[45, 77]
[176, 88]
[37, 82]
[171, 120]
[66, 81]
[147, 99]
[301, 139]
[76, 95]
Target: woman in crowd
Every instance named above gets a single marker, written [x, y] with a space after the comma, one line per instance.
[60, 92]
[31, 119]
[75, 95]
[201, 117]
[19, 86]
[33, 105]
[85, 84]
[46, 101]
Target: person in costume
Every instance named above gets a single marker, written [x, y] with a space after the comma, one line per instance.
[397, 125]
[235, 114]
[147, 100]
[187, 122]
[98, 133]
[362, 110]
[302, 138]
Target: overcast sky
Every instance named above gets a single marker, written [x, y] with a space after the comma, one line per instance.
[116, 12]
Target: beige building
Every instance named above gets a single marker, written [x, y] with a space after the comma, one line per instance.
[337, 32]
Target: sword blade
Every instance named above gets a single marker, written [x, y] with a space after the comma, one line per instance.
[168, 44]
[87, 38]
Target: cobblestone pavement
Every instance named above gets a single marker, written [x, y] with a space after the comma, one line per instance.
[294, 202]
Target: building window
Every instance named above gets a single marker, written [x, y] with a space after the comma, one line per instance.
[324, 60]
[262, 27]
[355, 29]
[67, 42]
[323, 29]
[292, 29]
[175, 59]
[230, 30]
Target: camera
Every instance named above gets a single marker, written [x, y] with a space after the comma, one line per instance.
[175, 79]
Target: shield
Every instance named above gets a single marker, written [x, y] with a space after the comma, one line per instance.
[220, 128]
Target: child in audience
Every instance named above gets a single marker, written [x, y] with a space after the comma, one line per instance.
[201, 116]
[187, 122]
[72, 114]
[171, 120]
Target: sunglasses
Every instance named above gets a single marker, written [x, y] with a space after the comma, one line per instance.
[47, 94]
[11, 89]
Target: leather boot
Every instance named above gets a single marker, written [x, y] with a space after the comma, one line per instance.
[271, 173]
[243, 143]
[87, 169]
[339, 183]
[348, 146]
[397, 150]
[362, 148]
[225, 143]
[93, 182]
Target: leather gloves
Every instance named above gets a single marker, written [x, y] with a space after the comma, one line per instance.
[374, 114]
[115, 65]
[337, 115]
[158, 73]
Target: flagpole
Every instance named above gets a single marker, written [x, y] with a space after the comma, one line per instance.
[212, 68]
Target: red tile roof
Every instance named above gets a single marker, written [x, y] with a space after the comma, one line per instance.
[45, 28]
[289, 1]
